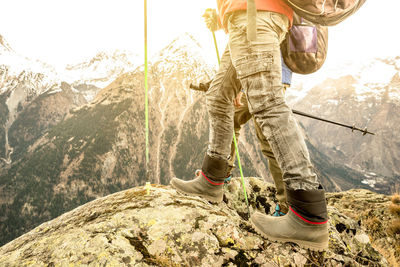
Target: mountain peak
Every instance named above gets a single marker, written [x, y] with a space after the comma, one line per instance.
[101, 69]
[164, 228]
[184, 45]
[121, 56]
[184, 40]
[184, 51]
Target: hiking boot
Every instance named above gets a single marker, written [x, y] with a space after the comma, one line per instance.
[208, 183]
[305, 224]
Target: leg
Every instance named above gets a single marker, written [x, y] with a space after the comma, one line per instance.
[258, 66]
[241, 116]
[220, 109]
[273, 168]
[209, 184]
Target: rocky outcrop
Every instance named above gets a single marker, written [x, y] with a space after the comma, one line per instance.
[165, 228]
[371, 211]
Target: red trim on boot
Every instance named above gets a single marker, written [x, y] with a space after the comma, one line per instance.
[211, 182]
[307, 221]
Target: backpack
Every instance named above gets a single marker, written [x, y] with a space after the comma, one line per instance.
[305, 47]
[325, 12]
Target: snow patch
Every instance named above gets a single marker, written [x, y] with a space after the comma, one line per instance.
[369, 182]
[377, 73]
[101, 69]
[371, 78]
[54, 91]
[333, 101]
[315, 107]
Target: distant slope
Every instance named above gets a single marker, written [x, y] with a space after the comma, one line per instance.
[367, 95]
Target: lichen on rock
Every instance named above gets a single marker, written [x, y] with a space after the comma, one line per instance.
[166, 228]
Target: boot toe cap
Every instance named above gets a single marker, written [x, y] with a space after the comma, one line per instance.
[259, 219]
[175, 182]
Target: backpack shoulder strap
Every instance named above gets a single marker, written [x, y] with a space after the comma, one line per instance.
[251, 20]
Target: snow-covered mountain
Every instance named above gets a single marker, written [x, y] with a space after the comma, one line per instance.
[86, 77]
[22, 80]
[32, 85]
[99, 71]
[15, 68]
[366, 94]
[371, 76]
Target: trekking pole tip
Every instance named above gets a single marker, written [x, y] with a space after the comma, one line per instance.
[148, 188]
[365, 131]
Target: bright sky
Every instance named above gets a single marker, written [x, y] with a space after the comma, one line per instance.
[66, 31]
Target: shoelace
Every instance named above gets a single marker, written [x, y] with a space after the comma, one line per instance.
[278, 212]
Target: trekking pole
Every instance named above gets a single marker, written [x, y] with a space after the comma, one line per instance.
[203, 87]
[353, 127]
[234, 137]
[146, 103]
[216, 48]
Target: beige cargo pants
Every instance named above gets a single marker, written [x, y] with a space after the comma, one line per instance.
[258, 67]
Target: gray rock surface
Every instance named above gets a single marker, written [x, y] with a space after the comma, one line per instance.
[165, 228]
[371, 211]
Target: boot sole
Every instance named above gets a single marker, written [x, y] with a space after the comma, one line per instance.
[214, 200]
[303, 244]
